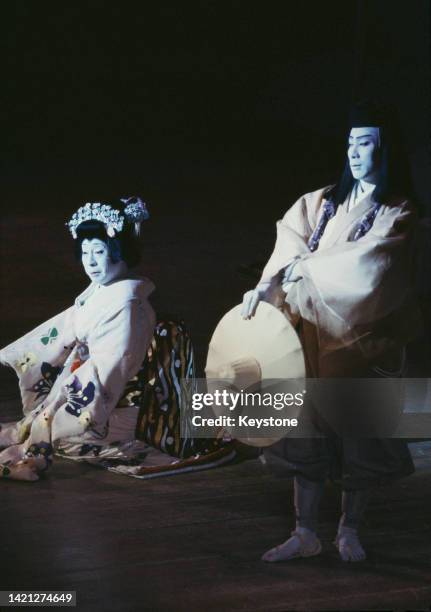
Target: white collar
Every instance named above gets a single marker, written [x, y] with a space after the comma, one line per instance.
[360, 191]
[364, 189]
[124, 289]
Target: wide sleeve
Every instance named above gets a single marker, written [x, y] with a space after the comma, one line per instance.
[291, 242]
[39, 356]
[348, 289]
[291, 246]
[117, 347]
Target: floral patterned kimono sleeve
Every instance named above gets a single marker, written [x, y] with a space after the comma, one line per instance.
[117, 346]
[39, 356]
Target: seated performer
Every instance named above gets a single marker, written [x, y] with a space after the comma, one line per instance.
[73, 369]
[340, 272]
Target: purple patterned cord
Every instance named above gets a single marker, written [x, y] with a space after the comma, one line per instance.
[328, 213]
[367, 221]
[329, 210]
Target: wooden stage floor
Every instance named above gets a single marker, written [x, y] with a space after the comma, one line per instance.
[192, 542]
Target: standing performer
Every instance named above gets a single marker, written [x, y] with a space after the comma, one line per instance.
[340, 271]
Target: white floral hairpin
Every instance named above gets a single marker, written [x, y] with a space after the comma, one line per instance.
[97, 211]
[134, 212]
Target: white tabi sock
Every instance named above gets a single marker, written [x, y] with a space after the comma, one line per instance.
[302, 543]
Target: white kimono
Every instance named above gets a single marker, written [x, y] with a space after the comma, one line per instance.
[352, 305]
[352, 299]
[72, 371]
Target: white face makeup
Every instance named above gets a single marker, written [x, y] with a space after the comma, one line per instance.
[97, 263]
[362, 153]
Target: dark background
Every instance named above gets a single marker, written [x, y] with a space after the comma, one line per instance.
[111, 97]
[219, 114]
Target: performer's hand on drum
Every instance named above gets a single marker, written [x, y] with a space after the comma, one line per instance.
[249, 303]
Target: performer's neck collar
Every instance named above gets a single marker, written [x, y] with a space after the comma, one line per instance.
[364, 187]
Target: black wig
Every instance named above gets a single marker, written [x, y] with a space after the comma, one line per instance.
[394, 178]
[124, 246]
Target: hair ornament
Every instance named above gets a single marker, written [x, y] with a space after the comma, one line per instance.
[135, 211]
[96, 211]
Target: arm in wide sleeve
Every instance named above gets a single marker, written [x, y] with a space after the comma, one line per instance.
[291, 246]
[350, 288]
[38, 357]
[291, 243]
[117, 348]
